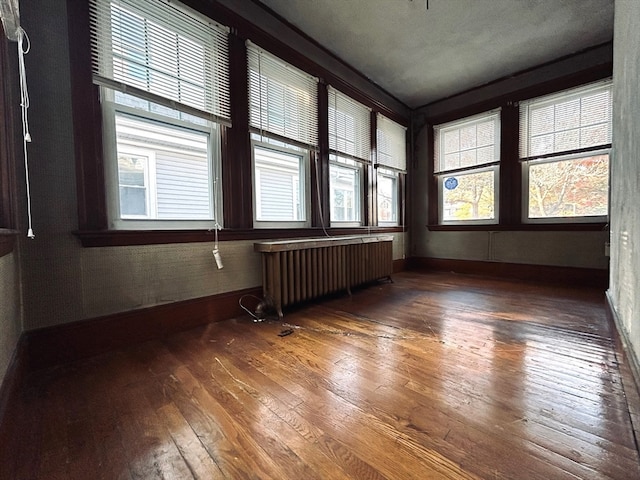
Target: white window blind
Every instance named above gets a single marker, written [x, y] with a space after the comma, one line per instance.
[161, 51]
[391, 143]
[571, 120]
[283, 100]
[467, 143]
[349, 126]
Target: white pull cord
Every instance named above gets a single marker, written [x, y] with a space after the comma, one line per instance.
[216, 251]
[24, 105]
[216, 227]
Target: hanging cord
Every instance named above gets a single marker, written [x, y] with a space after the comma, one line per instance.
[24, 105]
[216, 225]
[315, 163]
[253, 315]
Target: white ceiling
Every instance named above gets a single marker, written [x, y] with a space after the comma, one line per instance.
[421, 55]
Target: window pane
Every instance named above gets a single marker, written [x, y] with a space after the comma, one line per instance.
[566, 121]
[349, 125]
[132, 174]
[172, 172]
[468, 197]
[282, 98]
[569, 188]
[468, 142]
[345, 194]
[279, 185]
[387, 199]
[133, 202]
[391, 141]
[156, 47]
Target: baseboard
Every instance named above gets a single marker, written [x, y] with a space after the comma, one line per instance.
[399, 265]
[10, 389]
[628, 363]
[64, 343]
[590, 277]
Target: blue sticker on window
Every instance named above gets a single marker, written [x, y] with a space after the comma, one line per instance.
[451, 183]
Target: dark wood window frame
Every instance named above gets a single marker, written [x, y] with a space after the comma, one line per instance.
[236, 150]
[8, 144]
[510, 181]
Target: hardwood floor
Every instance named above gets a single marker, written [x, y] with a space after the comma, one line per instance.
[433, 376]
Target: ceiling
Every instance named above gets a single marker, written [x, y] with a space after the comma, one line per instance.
[421, 54]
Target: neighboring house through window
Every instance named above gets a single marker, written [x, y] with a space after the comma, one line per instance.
[163, 73]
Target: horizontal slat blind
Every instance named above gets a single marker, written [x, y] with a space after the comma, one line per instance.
[349, 126]
[282, 99]
[467, 143]
[162, 48]
[571, 120]
[391, 143]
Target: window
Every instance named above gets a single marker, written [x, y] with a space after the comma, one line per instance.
[387, 197]
[280, 173]
[350, 149]
[163, 73]
[467, 157]
[163, 170]
[283, 117]
[564, 149]
[392, 157]
[345, 190]
[7, 139]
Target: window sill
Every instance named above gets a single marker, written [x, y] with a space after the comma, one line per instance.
[7, 241]
[118, 238]
[524, 227]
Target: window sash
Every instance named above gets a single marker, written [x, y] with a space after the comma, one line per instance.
[387, 201]
[473, 203]
[568, 121]
[352, 201]
[183, 63]
[571, 198]
[283, 100]
[467, 143]
[349, 126]
[272, 164]
[170, 141]
[391, 140]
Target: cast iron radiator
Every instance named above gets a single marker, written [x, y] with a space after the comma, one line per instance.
[303, 269]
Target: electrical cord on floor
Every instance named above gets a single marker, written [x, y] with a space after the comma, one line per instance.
[253, 315]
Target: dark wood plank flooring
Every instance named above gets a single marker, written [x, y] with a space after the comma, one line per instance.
[433, 376]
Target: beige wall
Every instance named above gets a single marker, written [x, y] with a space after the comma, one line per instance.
[624, 291]
[10, 324]
[566, 249]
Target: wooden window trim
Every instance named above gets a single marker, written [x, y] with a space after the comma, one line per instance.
[9, 119]
[115, 238]
[235, 144]
[510, 182]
